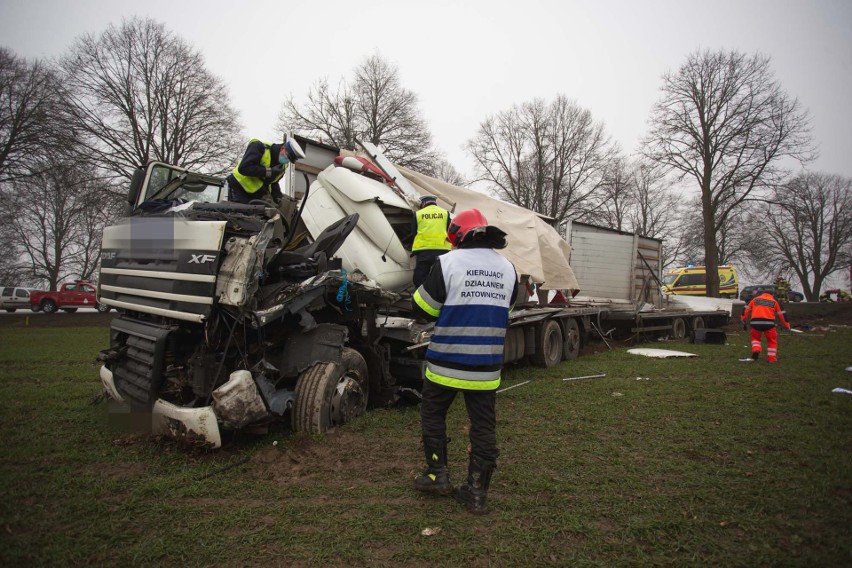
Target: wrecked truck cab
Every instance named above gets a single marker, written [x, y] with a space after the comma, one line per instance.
[230, 315]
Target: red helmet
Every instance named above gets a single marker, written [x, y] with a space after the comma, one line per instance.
[463, 223]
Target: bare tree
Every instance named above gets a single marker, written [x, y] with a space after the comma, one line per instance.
[547, 157]
[734, 236]
[375, 108]
[139, 93]
[57, 217]
[617, 196]
[445, 171]
[806, 228]
[657, 210]
[725, 122]
[30, 99]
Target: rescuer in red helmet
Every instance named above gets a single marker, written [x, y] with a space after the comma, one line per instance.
[469, 293]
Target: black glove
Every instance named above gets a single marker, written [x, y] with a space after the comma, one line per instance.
[276, 171]
[745, 326]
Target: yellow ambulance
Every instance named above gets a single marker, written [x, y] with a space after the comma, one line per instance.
[692, 281]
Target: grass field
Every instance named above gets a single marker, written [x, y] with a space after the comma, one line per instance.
[704, 461]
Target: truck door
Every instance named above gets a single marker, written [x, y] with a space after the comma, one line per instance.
[86, 292]
[69, 296]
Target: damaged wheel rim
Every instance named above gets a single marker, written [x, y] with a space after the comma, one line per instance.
[348, 400]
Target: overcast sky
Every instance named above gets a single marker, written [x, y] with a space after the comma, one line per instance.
[467, 59]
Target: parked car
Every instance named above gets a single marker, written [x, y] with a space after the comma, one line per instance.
[749, 292]
[13, 298]
[69, 297]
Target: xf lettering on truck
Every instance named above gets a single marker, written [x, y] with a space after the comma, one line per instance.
[202, 258]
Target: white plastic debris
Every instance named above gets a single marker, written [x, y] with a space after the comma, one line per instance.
[660, 353]
[431, 531]
[842, 391]
[617, 394]
[746, 360]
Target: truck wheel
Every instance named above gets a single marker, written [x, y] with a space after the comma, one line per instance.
[513, 346]
[48, 306]
[548, 344]
[10, 310]
[102, 308]
[678, 328]
[329, 395]
[69, 310]
[698, 323]
[571, 346]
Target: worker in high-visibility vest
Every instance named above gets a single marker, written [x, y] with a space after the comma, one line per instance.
[262, 166]
[761, 313]
[469, 294]
[430, 239]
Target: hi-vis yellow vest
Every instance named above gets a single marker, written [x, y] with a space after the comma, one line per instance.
[431, 229]
[252, 184]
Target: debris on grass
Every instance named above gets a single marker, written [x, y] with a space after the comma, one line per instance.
[842, 391]
[431, 531]
[513, 386]
[660, 353]
[598, 376]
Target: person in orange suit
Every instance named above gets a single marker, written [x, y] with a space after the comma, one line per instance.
[760, 313]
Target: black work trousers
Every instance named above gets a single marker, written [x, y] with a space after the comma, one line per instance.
[425, 260]
[481, 410]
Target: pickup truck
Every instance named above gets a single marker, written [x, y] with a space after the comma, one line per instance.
[69, 297]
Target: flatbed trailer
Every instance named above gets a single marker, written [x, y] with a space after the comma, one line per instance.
[548, 335]
[677, 323]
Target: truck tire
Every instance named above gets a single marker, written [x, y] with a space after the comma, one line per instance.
[329, 395]
[48, 306]
[513, 345]
[678, 328]
[548, 344]
[10, 310]
[571, 335]
[69, 310]
[697, 323]
[102, 308]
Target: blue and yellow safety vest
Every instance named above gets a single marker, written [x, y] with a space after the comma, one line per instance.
[466, 348]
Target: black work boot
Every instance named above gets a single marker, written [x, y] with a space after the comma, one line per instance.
[436, 478]
[475, 492]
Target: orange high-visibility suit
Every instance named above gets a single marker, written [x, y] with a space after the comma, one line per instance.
[763, 310]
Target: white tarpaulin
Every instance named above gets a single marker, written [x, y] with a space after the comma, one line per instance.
[535, 248]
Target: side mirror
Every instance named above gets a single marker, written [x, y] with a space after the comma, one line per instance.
[135, 186]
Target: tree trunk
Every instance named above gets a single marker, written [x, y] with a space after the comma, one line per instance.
[711, 252]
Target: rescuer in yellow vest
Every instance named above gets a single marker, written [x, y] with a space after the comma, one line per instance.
[262, 166]
[430, 240]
